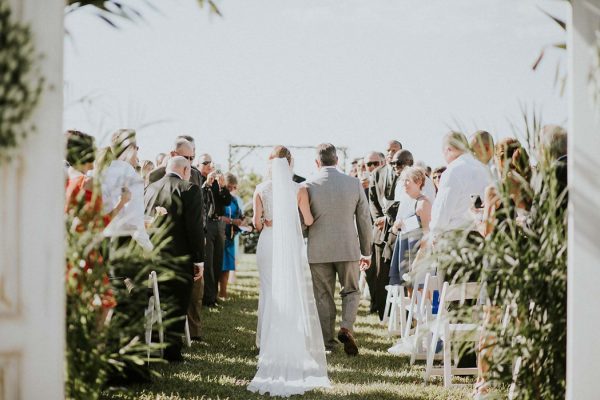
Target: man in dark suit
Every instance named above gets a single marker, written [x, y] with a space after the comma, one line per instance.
[183, 203]
[216, 198]
[185, 148]
[381, 196]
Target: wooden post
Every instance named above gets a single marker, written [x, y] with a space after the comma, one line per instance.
[583, 351]
[32, 262]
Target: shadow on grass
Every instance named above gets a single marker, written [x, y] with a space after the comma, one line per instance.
[222, 366]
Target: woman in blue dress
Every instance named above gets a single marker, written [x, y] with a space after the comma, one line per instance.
[234, 219]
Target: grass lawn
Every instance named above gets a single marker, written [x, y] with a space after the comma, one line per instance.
[222, 366]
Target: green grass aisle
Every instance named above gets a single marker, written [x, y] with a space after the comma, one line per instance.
[223, 365]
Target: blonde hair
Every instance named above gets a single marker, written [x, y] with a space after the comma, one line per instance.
[415, 174]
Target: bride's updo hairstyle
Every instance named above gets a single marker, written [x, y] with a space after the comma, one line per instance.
[281, 152]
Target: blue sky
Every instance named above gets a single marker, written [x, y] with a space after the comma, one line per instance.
[299, 72]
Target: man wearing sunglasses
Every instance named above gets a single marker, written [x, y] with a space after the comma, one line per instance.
[381, 196]
[183, 148]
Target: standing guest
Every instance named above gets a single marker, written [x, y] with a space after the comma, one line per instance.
[161, 160]
[216, 197]
[513, 162]
[147, 167]
[426, 168]
[183, 148]
[554, 151]
[234, 219]
[482, 147]
[381, 197]
[413, 181]
[354, 168]
[183, 203]
[129, 222]
[80, 191]
[436, 175]
[465, 176]
[372, 161]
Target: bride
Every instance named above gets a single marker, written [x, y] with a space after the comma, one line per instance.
[292, 352]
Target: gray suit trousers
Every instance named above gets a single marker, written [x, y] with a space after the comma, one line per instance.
[323, 277]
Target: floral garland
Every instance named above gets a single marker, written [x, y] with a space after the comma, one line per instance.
[20, 82]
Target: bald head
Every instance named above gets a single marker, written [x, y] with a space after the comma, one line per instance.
[402, 159]
[180, 166]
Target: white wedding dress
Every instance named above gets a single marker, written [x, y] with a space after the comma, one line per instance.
[292, 353]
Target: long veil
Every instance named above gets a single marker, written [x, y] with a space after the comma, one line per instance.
[292, 352]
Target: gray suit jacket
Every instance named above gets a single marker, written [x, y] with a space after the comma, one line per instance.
[342, 230]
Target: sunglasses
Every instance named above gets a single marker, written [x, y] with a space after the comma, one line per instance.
[373, 164]
[206, 162]
[189, 158]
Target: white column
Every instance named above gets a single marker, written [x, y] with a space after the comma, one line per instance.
[32, 266]
[583, 326]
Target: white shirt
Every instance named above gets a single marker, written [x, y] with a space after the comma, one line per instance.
[130, 220]
[463, 177]
[407, 203]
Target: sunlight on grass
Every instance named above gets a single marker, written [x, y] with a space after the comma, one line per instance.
[222, 366]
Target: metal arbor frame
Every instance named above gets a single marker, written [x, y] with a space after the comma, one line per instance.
[235, 158]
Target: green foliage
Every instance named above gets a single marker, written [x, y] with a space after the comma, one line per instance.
[103, 340]
[113, 11]
[20, 81]
[247, 184]
[222, 366]
[524, 265]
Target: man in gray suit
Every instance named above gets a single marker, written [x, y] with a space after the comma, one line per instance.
[339, 242]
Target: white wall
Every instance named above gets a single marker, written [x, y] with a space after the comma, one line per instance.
[583, 344]
[31, 231]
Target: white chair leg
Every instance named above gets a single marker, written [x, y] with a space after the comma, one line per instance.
[402, 309]
[431, 354]
[447, 363]
[188, 339]
[387, 303]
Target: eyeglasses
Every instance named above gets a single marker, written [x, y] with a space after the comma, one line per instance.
[189, 158]
[373, 164]
[206, 162]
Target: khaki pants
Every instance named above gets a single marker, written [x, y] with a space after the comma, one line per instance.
[323, 277]
[195, 308]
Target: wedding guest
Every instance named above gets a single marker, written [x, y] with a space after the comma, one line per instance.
[482, 146]
[183, 148]
[436, 175]
[464, 176]
[129, 222]
[161, 160]
[372, 161]
[554, 149]
[412, 227]
[147, 167]
[426, 169]
[381, 195]
[81, 193]
[234, 219]
[216, 197]
[84, 202]
[354, 168]
[183, 203]
[512, 161]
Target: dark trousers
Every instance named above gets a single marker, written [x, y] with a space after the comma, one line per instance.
[178, 291]
[381, 281]
[372, 279]
[213, 259]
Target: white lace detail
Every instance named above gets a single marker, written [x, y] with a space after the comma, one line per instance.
[265, 190]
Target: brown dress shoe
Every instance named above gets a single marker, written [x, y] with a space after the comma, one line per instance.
[347, 339]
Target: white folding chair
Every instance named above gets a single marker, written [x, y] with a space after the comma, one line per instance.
[424, 316]
[153, 312]
[394, 314]
[449, 332]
